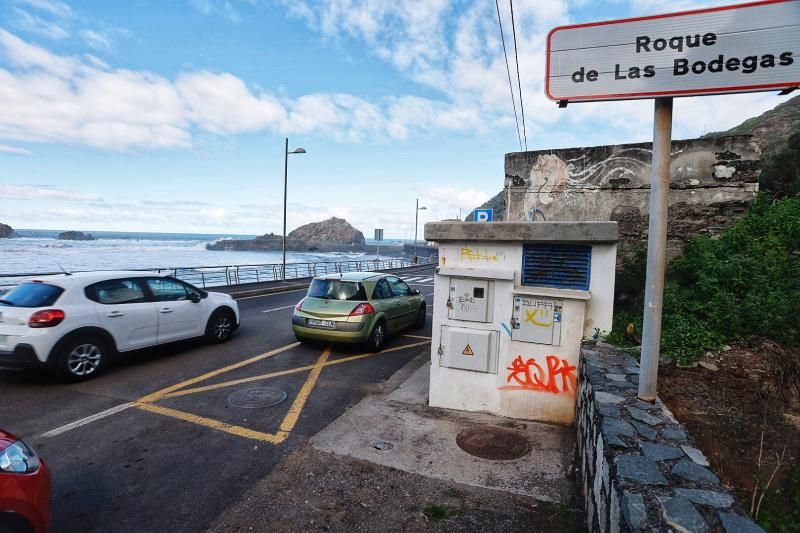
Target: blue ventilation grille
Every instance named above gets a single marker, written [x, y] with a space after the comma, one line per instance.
[557, 265]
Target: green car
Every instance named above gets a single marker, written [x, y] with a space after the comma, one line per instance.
[357, 307]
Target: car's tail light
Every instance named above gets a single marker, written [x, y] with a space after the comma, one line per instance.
[46, 319]
[299, 306]
[362, 309]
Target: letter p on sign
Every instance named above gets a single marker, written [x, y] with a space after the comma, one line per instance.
[483, 215]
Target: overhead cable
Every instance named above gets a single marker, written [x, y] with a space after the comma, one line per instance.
[519, 82]
[508, 71]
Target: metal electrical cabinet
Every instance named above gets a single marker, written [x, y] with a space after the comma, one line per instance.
[537, 319]
[469, 349]
[470, 300]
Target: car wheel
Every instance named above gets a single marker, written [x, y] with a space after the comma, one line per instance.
[378, 337]
[220, 326]
[419, 323]
[81, 358]
[14, 523]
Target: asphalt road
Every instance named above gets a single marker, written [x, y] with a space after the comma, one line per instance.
[174, 460]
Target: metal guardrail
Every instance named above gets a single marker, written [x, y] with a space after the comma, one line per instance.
[227, 275]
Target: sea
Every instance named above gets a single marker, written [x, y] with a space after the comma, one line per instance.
[38, 251]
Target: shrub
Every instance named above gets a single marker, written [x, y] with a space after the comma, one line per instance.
[747, 282]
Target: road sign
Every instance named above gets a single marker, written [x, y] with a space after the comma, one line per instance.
[379, 234]
[741, 48]
[483, 215]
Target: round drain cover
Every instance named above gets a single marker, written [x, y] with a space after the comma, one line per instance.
[255, 398]
[493, 443]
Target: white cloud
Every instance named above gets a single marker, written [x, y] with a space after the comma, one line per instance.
[81, 100]
[97, 39]
[56, 8]
[39, 26]
[4, 148]
[44, 192]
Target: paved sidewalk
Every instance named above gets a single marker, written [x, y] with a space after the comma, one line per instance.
[423, 482]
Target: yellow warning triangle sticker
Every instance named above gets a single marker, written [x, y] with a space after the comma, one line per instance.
[468, 351]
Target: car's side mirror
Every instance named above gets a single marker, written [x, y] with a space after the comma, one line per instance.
[195, 298]
[413, 292]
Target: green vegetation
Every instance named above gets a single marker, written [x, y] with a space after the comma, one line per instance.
[781, 511]
[434, 513]
[746, 282]
[780, 169]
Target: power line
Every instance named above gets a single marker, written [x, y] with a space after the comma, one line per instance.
[519, 83]
[508, 71]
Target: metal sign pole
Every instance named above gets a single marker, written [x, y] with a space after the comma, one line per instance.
[656, 249]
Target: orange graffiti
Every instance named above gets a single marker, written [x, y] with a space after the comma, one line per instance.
[529, 375]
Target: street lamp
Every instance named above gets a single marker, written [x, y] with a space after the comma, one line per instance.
[416, 223]
[285, 184]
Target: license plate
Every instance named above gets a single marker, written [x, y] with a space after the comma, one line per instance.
[327, 324]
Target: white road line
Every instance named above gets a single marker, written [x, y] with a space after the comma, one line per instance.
[415, 278]
[277, 309]
[426, 280]
[266, 295]
[88, 419]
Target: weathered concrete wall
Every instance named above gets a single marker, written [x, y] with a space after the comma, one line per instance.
[639, 470]
[712, 182]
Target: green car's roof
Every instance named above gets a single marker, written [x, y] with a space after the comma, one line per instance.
[351, 276]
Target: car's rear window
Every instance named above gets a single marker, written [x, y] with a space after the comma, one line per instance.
[333, 289]
[32, 295]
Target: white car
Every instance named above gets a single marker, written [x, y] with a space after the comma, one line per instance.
[73, 323]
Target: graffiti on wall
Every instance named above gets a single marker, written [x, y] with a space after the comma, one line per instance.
[475, 254]
[558, 378]
[553, 179]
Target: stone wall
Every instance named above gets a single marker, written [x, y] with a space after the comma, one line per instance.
[712, 182]
[639, 470]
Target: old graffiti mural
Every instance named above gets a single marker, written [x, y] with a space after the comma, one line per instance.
[529, 375]
[551, 178]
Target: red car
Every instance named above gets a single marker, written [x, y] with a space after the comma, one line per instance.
[24, 488]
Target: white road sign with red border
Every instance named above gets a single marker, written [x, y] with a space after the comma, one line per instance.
[740, 48]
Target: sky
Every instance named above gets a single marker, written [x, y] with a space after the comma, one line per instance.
[171, 115]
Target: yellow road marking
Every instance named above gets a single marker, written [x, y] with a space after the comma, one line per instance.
[300, 401]
[239, 431]
[158, 394]
[287, 372]
[417, 337]
[292, 416]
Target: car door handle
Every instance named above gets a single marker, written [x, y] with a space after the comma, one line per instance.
[115, 314]
[165, 310]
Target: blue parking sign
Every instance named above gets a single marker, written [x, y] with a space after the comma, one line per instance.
[483, 215]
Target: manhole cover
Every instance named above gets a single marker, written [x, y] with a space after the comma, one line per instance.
[382, 446]
[493, 443]
[255, 398]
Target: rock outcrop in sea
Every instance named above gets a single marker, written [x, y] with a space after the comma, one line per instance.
[6, 231]
[332, 235]
[334, 229]
[75, 236]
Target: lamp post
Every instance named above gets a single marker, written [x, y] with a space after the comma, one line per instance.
[416, 223]
[285, 186]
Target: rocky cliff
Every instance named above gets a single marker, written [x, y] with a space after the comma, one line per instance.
[75, 236]
[332, 235]
[335, 230]
[6, 232]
